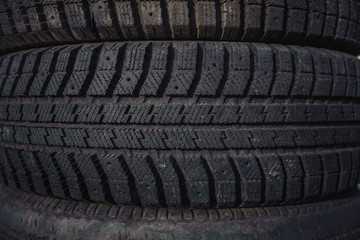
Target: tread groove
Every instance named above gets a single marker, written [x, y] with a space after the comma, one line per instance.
[192, 19]
[212, 190]
[219, 20]
[6, 72]
[225, 74]
[235, 169]
[182, 182]
[139, 24]
[263, 180]
[13, 169]
[159, 182]
[115, 20]
[199, 67]
[303, 196]
[131, 182]
[51, 68]
[62, 177]
[285, 21]
[79, 177]
[35, 69]
[104, 179]
[145, 68]
[27, 172]
[44, 176]
[21, 66]
[165, 19]
[4, 178]
[169, 68]
[92, 70]
[69, 69]
[119, 68]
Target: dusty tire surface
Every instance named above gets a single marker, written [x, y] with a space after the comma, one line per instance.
[30, 216]
[326, 23]
[181, 124]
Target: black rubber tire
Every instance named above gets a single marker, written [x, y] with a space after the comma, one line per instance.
[326, 23]
[30, 216]
[181, 124]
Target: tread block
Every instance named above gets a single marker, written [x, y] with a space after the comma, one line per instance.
[274, 179]
[104, 21]
[206, 19]
[196, 180]
[106, 69]
[239, 70]
[231, 19]
[179, 19]
[158, 68]
[184, 69]
[152, 18]
[331, 169]
[252, 28]
[293, 171]
[213, 69]
[313, 175]
[126, 19]
[81, 70]
[263, 71]
[79, 24]
[251, 180]
[61, 70]
[132, 69]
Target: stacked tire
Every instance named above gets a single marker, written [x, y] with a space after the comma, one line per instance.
[175, 119]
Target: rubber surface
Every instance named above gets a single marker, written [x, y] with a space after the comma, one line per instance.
[325, 23]
[29, 216]
[180, 123]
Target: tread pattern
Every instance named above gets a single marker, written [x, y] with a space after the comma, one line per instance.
[183, 112]
[113, 137]
[59, 207]
[32, 208]
[226, 179]
[180, 124]
[36, 23]
[197, 69]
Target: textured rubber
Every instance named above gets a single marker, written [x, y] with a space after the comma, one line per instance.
[30, 216]
[185, 124]
[36, 23]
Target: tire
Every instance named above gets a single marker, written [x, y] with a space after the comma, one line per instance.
[29, 216]
[181, 124]
[326, 23]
